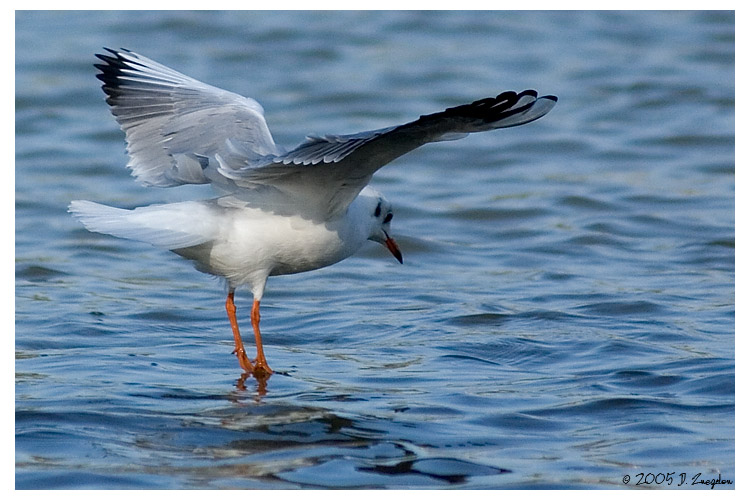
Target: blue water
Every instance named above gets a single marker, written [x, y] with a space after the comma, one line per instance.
[564, 317]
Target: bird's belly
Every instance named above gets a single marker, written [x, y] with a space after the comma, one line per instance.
[249, 249]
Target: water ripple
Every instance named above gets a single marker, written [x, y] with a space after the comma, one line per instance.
[565, 314]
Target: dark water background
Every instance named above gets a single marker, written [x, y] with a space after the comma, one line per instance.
[564, 316]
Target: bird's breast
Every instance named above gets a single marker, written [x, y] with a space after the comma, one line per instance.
[274, 244]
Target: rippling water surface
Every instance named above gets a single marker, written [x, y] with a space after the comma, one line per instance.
[564, 317]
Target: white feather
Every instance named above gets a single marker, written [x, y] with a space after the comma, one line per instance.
[172, 226]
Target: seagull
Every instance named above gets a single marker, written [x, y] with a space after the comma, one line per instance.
[277, 211]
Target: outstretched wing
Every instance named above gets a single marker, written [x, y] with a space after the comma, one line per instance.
[175, 126]
[182, 131]
[330, 171]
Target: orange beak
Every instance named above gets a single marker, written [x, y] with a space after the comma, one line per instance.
[392, 247]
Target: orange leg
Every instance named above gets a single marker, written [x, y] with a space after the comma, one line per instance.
[239, 348]
[261, 365]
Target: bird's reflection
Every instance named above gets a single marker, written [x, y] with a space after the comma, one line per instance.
[261, 378]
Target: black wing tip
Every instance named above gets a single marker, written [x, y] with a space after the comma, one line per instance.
[492, 109]
[514, 97]
[116, 52]
[112, 69]
[117, 59]
[496, 109]
[506, 104]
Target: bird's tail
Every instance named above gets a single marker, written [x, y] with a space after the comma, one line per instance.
[171, 226]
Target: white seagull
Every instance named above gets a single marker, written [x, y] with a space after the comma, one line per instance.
[279, 212]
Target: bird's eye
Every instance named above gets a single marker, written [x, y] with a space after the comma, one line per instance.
[377, 210]
[388, 218]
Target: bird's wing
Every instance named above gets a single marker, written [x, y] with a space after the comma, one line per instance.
[182, 131]
[326, 173]
[175, 126]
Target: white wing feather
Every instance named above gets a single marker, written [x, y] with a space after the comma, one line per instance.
[182, 131]
[175, 125]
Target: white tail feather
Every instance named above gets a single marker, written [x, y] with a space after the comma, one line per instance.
[173, 226]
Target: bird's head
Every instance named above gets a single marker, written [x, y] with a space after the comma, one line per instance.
[380, 213]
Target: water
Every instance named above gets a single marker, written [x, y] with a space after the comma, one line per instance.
[564, 316]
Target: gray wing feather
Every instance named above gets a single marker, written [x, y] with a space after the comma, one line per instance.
[182, 131]
[508, 109]
[175, 125]
[339, 166]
